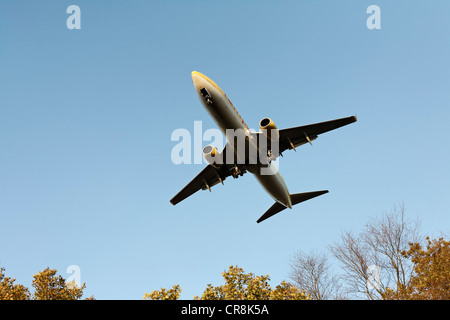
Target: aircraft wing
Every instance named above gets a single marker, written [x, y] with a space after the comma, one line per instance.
[293, 137]
[207, 178]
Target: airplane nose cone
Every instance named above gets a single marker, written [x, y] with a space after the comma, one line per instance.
[196, 78]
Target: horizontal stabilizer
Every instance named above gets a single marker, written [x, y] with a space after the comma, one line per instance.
[295, 199]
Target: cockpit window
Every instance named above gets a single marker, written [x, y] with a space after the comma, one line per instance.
[205, 93]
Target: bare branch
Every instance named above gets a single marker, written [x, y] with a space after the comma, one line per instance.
[311, 274]
[377, 248]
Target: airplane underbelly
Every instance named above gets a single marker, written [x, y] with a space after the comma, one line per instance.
[224, 115]
[275, 186]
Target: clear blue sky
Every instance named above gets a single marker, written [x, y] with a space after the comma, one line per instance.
[86, 118]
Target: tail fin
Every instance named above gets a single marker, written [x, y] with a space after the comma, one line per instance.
[295, 198]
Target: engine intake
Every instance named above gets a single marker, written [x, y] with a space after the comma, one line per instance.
[269, 128]
[212, 156]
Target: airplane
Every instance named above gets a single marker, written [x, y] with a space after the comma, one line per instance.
[235, 160]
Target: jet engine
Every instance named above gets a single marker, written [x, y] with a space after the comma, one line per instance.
[269, 128]
[212, 156]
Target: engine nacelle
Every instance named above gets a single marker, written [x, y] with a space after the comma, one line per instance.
[212, 156]
[269, 129]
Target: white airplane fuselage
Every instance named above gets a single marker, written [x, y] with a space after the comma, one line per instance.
[226, 117]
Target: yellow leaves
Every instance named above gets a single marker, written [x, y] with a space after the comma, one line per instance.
[239, 286]
[163, 294]
[11, 291]
[48, 286]
[286, 291]
[432, 270]
[431, 278]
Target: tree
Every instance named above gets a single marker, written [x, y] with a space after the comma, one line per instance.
[47, 285]
[384, 261]
[372, 260]
[312, 274]
[246, 286]
[163, 294]
[286, 291]
[239, 286]
[11, 291]
[431, 278]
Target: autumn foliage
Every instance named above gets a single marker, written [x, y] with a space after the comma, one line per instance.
[47, 286]
[431, 277]
[238, 286]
